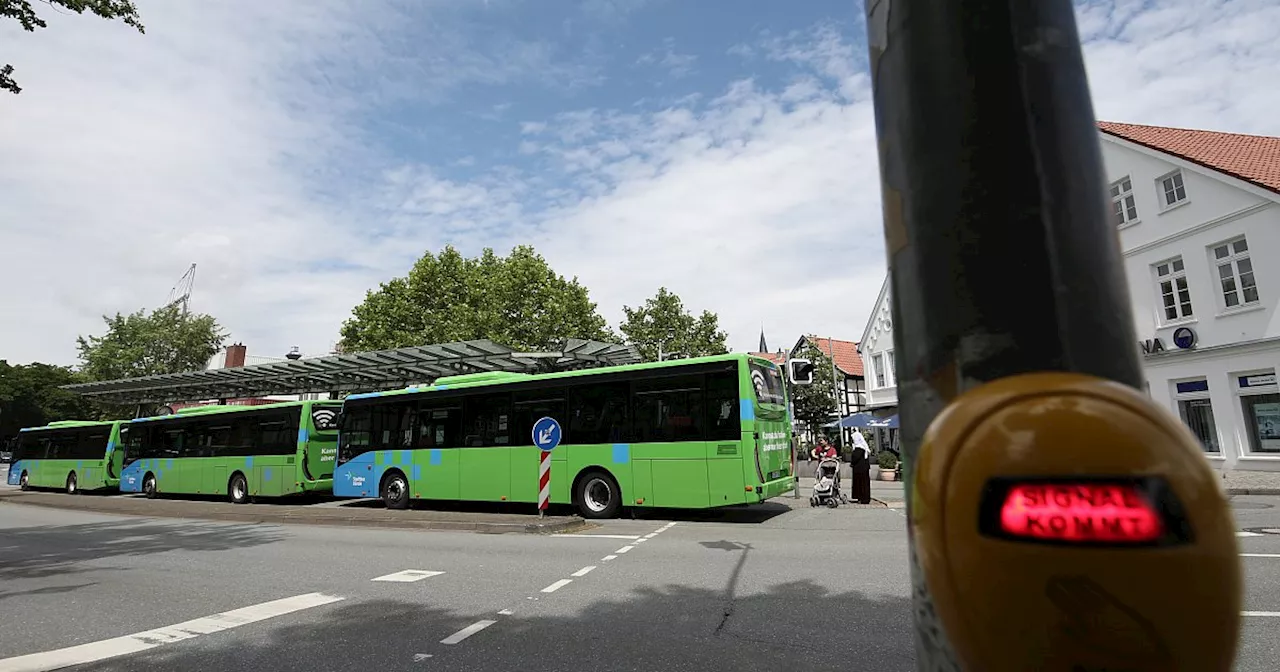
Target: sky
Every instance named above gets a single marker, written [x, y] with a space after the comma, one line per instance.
[301, 152]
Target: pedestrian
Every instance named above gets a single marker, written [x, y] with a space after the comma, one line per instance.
[860, 487]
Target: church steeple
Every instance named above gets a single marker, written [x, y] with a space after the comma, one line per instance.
[764, 347]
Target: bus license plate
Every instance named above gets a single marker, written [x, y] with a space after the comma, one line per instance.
[773, 475]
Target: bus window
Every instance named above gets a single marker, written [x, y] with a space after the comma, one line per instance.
[723, 407]
[439, 425]
[768, 384]
[488, 420]
[92, 444]
[528, 406]
[668, 409]
[598, 414]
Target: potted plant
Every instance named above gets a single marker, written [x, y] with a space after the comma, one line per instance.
[888, 466]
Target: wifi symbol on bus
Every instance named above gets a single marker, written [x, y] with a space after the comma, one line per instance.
[324, 418]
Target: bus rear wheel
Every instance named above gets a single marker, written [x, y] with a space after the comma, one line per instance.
[22, 481]
[238, 489]
[149, 486]
[72, 484]
[395, 491]
[598, 495]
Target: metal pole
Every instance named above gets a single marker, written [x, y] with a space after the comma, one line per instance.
[835, 392]
[791, 418]
[1001, 256]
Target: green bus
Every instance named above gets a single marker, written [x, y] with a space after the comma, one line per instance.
[692, 433]
[73, 455]
[242, 452]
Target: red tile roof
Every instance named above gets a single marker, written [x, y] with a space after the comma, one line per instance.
[1252, 158]
[779, 358]
[846, 354]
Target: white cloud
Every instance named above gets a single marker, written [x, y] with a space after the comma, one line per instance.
[676, 64]
[229, 136]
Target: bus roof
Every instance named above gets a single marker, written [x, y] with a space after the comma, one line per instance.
[500, 377]
[216, 409]
[64, 424]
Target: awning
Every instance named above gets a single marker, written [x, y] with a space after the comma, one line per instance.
[855, 421]
[354, 372]
[890, 422]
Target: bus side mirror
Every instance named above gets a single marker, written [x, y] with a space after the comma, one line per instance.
[800, 371]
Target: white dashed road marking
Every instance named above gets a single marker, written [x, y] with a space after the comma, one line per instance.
[110, 648]
[624, 549]
[1248, 534]
[409, 575]
[557, 585]
[1269, 614]
[1260, 555]
[466, 632]
[595, 536]
[607, 558]
[584, 571]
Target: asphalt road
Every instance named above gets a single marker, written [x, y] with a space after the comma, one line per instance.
[800, 589]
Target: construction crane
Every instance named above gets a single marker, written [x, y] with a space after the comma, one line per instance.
[181, 292]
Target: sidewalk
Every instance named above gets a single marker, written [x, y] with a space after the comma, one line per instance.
[1251, 482]
[886, 493]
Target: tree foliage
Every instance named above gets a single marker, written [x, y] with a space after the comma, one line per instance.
[814, 404]
[517, 301]
[29, 397]
[25, 15]
[663, 324]
[164, 341]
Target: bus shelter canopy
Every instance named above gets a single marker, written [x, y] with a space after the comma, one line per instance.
[354, 372]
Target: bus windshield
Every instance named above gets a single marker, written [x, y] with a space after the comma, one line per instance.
[768, 384]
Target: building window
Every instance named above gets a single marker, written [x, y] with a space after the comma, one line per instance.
[891, 366]
[1235, 272]
[1196, 412]
[1260, 404]
[1172, 190]
[877, 364]
[1123, 208]
[1175, 297]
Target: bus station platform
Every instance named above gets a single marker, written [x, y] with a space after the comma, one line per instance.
[357, 513]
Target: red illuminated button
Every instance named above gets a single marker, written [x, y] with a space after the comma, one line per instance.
[1080, 512]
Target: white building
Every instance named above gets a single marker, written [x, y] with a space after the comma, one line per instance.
[1194, 210]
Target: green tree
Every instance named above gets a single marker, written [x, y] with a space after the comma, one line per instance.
[29, 397]
[517, 301]
[815, 404]
[663, 324]
[165, 341]
[25, 15]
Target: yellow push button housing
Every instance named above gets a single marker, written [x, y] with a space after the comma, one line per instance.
[1065, 522]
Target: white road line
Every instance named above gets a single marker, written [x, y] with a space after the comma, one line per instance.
[1260, 555]
[641, 541]
[149, 639]
[1268, 614]
[624, 549]
[584, 571]
[408, 575]
[651, 535]
[466, 632]
[1248, 534]
[506, 612]
[557, 585]
[607, 558]
[595, 536]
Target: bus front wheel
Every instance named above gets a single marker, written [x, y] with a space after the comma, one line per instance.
[598, 495]
[395, 491]
[72, 484]
[149, 486]
[238, 489]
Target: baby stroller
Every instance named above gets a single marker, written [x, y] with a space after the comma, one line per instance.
[826, 488]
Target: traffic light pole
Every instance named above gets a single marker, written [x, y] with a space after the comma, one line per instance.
[1001, 255]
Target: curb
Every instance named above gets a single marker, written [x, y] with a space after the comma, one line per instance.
[572, 524]
[1253, 491]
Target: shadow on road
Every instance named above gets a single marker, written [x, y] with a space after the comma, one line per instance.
[792, 626]
[63, 548]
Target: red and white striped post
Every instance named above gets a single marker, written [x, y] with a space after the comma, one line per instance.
[544, 481]
[546, 436]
